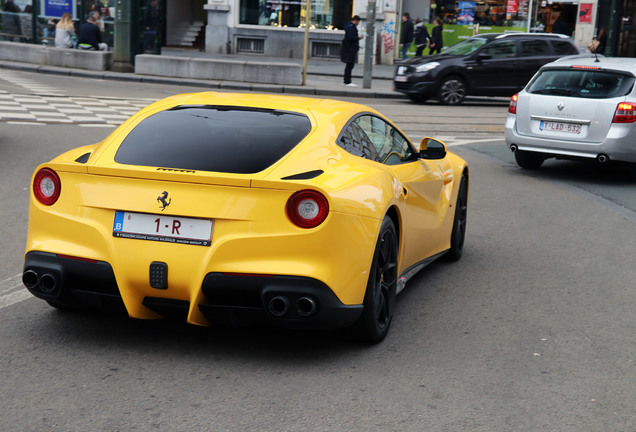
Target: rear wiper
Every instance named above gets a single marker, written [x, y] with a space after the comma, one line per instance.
[555, 91]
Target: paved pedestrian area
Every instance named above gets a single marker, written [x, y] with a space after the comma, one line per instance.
[48, 109]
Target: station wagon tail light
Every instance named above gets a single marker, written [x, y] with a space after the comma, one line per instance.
[307, 208]
[512, 107]
[47, 186]
[625, 113]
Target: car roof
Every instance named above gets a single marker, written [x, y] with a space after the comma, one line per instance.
[491, 36]
[622, 64]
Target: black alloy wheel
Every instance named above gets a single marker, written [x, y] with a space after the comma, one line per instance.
[379, 299]
[452, 91]
[528, 160]
[459, 223]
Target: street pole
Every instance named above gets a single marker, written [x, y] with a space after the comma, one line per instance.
[530, 15]
[369, 44]
[306, 45]
[121, 49]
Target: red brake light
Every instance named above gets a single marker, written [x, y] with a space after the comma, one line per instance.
[625, 113]
[512, 107]
[307, 208]
[46, 186]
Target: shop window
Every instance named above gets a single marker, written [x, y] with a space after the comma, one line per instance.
[534, 48]
[331, 15]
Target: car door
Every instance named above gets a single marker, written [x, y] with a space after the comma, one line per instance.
[533, 53]
[424, 184]
[491, 69]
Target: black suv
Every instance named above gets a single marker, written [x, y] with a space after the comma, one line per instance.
[491, 64]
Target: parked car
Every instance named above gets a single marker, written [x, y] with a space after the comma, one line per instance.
[492, 64]
[575, 108]
[209, 207]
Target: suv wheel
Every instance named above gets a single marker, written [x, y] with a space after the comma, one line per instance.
[452, 91]
[528, 160]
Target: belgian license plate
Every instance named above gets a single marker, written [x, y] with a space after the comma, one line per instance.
[171, 229]
[401, 78]
[549, 126]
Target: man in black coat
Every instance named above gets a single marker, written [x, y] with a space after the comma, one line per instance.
[349, 48]
[90, 36]
[407, 34]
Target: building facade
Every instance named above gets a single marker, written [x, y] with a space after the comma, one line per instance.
[276, 28]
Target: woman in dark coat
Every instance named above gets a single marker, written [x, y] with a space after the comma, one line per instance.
[437, 41]
[421, 37]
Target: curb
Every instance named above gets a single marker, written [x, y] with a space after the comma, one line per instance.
[209, 84]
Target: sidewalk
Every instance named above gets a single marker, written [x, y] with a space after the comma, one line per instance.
[324, 77]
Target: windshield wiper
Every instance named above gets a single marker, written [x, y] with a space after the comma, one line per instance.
[554, 91]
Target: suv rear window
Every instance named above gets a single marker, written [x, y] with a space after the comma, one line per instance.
[226, 139]
[563, 47]
[582, 83]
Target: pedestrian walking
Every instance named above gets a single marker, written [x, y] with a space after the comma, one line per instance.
[350, 47]
[437, 41]
[406, 38]
[421, 37]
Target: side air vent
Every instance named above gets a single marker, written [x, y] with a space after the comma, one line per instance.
[83, 158]
[304, 176]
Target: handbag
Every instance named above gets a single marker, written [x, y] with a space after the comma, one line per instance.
[593, 46]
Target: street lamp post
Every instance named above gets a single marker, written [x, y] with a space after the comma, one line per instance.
[368, 46]
[306, 44]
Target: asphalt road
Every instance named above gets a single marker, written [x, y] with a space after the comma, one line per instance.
[532, 330]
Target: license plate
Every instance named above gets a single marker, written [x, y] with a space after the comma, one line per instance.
[549, 126]
[170, 229]
[401, 78]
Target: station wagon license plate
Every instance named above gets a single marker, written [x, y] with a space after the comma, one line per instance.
[171, 229]
[549, 126]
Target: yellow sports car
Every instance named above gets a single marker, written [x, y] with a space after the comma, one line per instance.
[218, 207]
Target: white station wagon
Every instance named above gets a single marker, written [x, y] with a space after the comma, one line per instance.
[579, 107]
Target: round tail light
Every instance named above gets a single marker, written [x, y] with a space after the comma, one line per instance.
[46, 186]
[307, 208]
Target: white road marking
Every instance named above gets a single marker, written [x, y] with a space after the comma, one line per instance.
[12, 291]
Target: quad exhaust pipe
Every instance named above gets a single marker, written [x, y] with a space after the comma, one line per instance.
[47, 283]
[280, 305]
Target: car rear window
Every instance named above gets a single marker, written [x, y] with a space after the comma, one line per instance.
[583, 83]
[226, 139]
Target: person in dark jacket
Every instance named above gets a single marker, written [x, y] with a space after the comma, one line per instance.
[11, 19]
[407, 34]
[90, 37]
[437, 41]
[349, 48]
[421, 37]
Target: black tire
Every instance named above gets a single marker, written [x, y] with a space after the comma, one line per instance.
[452, 91]
[419, 98]
[379, 299]
[459, 223]
[528, 160]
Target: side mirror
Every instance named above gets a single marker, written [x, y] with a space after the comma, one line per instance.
[431, 148]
